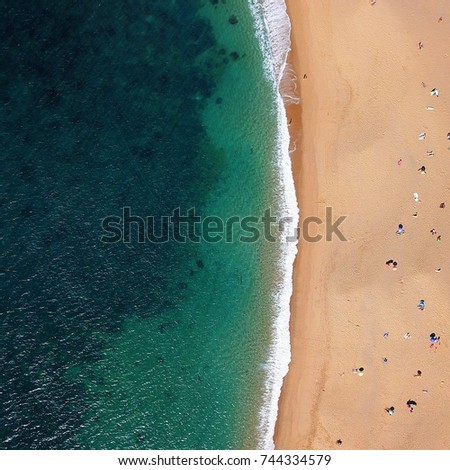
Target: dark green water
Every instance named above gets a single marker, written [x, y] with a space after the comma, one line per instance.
[150, 104]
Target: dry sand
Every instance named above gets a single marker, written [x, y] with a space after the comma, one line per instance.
[362, 108]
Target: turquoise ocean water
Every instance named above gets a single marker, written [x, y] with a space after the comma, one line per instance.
[152, 105]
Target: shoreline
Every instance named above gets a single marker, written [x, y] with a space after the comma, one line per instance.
[273, 31]
[362, 107]
[305, 182]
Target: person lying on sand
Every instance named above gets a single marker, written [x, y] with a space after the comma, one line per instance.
[359, 371]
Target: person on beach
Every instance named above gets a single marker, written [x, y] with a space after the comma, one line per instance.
[442, 205]
[399, 162]
[411, 404]
[434, 338]
[448, 136]
[391, 264]
[390, 410]
[359, 371]
[438, 238]
[420, 45]
[421, 305]
[434, 92]
[407, 335]
[422, 170]
[418, 374]
[433, 232]
[416, 197]
[430, 153]
[422, 135]
[400, 230]
[435, 341]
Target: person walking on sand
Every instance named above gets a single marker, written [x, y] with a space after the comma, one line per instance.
[422, 170]
[400, 230]
[421, 305]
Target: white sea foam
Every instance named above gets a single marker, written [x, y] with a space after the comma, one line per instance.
[273, 31]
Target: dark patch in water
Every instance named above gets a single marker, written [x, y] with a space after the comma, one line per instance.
[27, 211]
[200, 264]
[164, 327]
[160, 359]
[52, 97]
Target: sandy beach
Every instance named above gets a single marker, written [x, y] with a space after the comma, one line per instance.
[367, 123]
